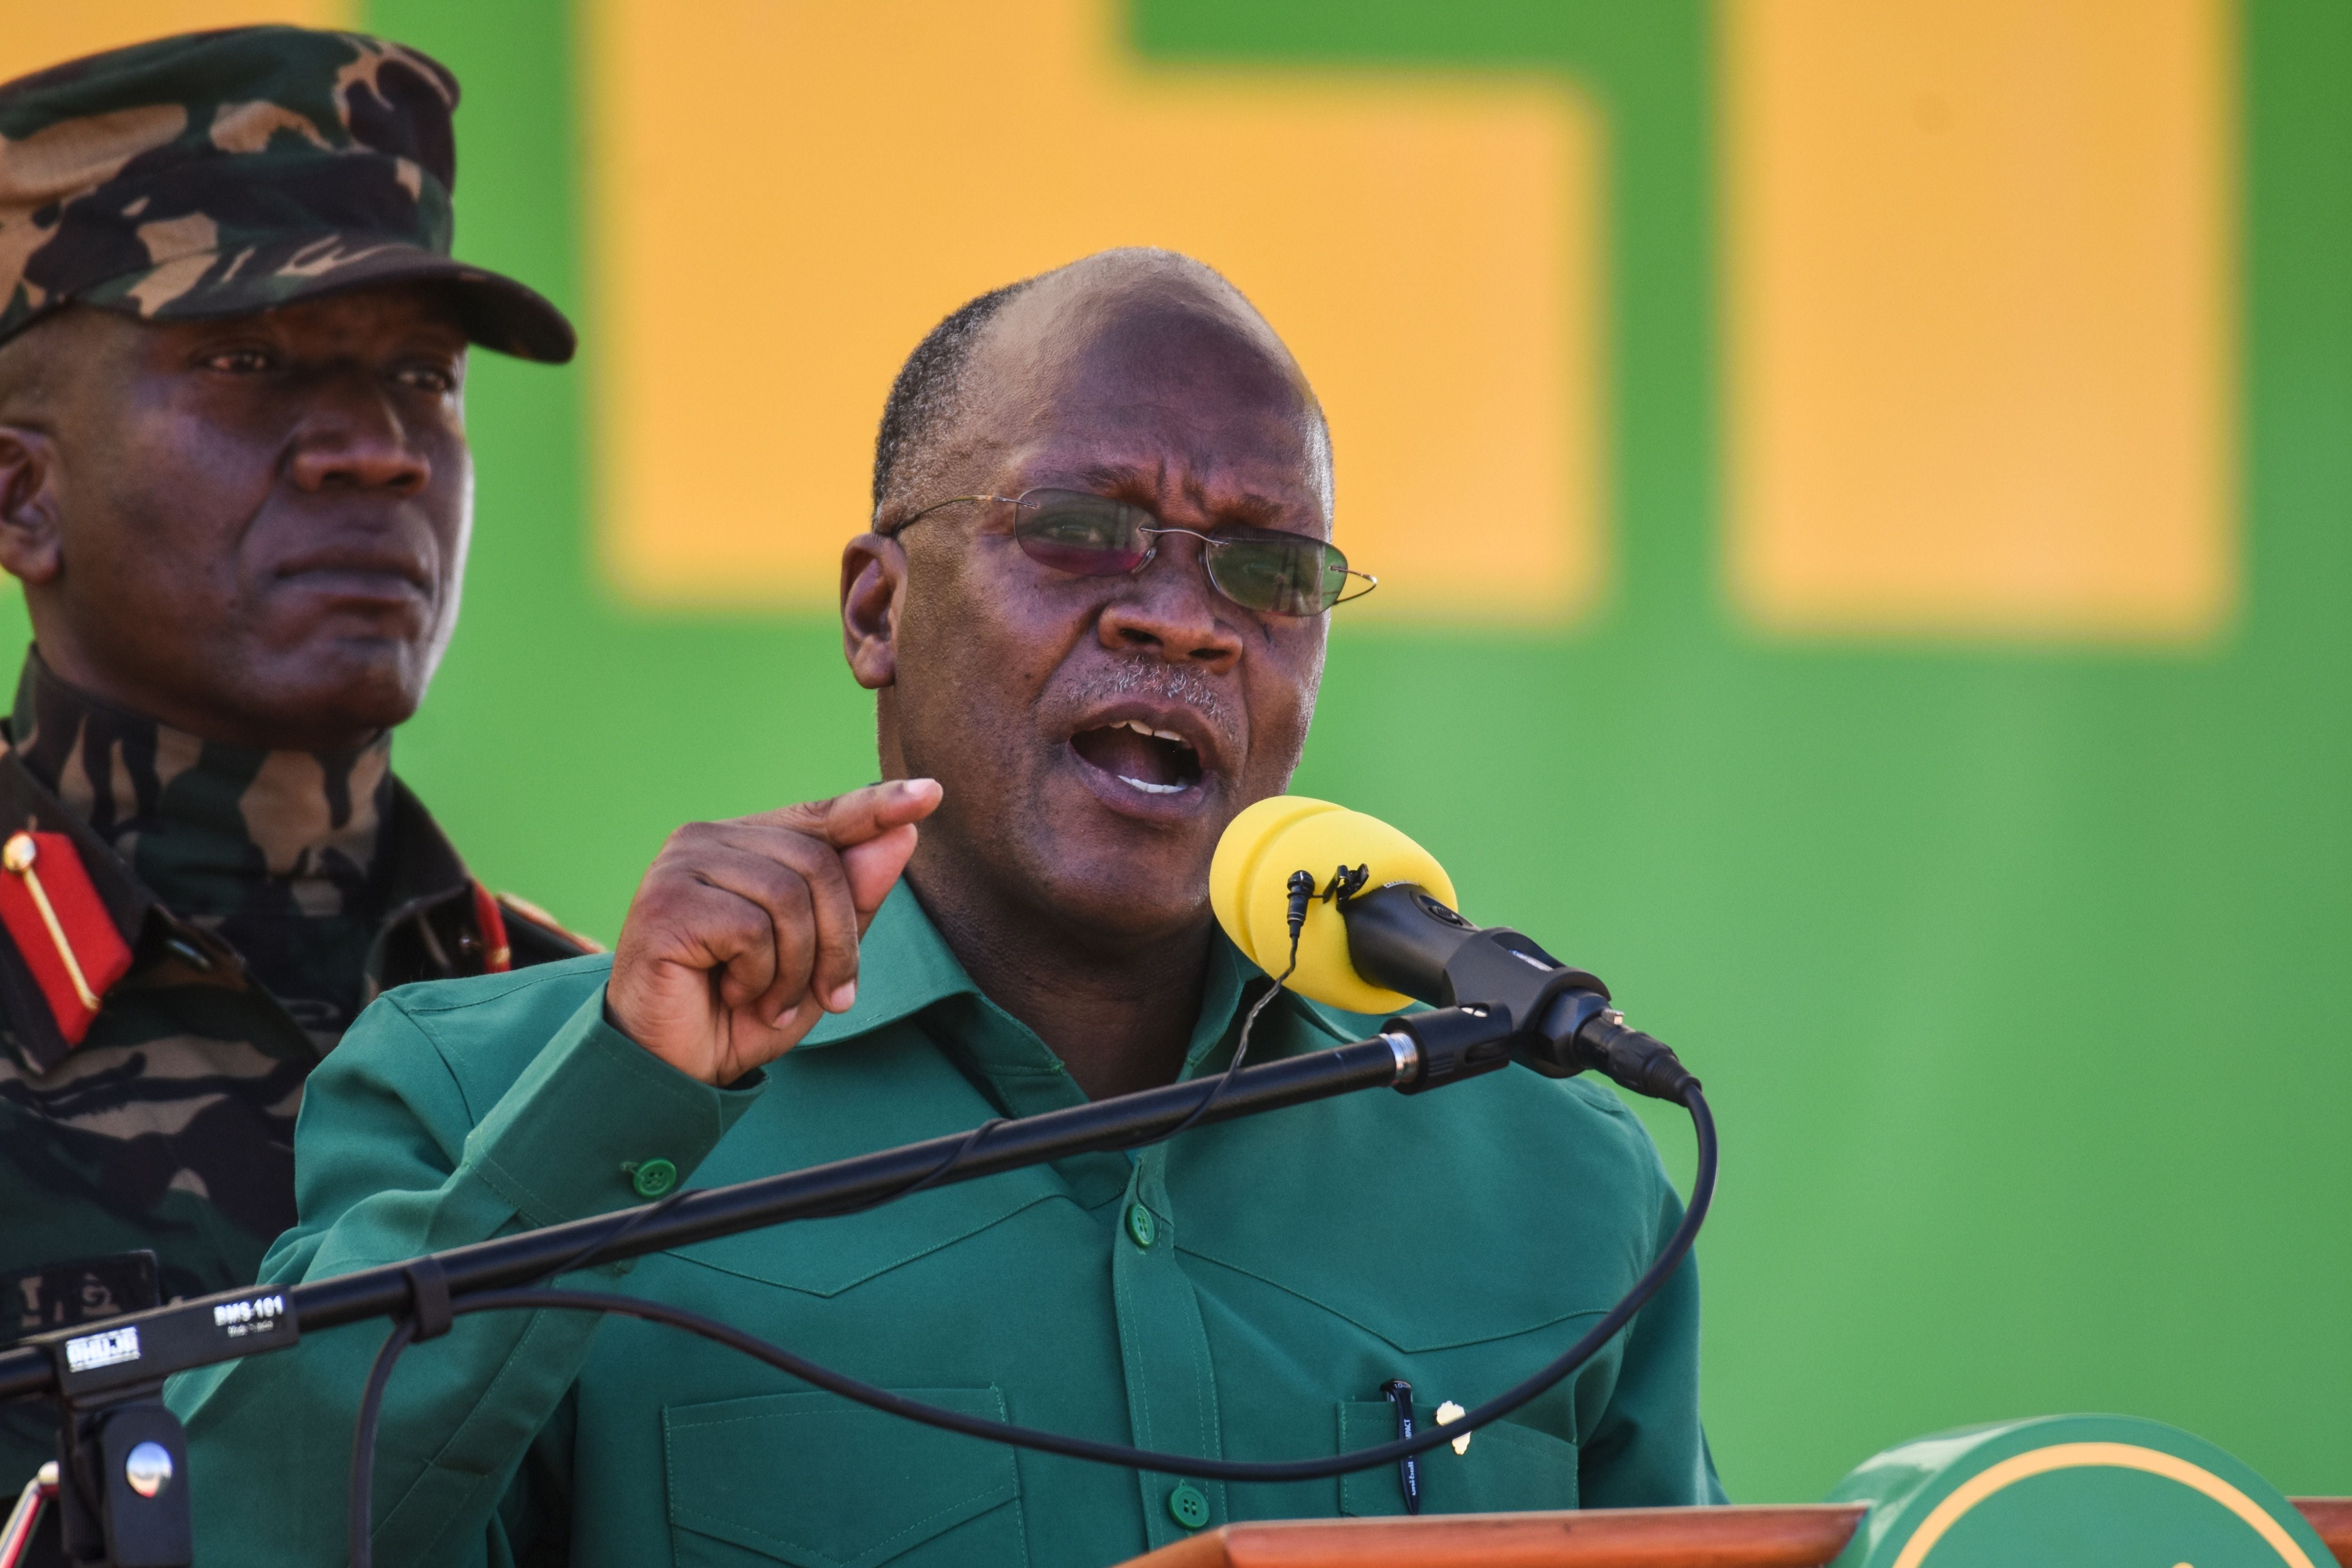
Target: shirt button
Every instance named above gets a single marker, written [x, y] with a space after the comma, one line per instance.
[1187, 1506]
[653, 1178]
[1139, 1225]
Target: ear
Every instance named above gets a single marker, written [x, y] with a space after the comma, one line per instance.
[873, 582]
[30, 548]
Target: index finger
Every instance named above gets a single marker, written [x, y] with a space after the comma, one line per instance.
[860, 815]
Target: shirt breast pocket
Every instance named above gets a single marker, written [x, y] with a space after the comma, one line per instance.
[1508, 1469]
[817, 1482]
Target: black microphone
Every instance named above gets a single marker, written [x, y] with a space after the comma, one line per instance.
[1501, 998]
[1559, 1017]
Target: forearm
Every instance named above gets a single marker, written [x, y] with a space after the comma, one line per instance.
[391, 1168]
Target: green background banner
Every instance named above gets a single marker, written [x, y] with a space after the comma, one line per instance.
[2014, 969]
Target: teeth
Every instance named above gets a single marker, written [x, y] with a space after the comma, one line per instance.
[1141, 728]
[1151, 788]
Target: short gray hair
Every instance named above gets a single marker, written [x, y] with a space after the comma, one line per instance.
[929, 391]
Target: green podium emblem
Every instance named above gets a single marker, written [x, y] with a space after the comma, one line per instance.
[2089, 1491]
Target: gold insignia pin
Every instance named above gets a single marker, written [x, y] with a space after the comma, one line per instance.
[1448, 1414]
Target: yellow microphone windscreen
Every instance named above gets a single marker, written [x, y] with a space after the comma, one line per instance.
[1249, 889]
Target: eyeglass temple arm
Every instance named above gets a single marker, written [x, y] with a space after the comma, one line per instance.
[937, 505]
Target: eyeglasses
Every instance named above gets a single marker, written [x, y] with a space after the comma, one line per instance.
[1094, 536]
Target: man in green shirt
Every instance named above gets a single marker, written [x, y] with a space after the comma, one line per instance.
[1091, 609]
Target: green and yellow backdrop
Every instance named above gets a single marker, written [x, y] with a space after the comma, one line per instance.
[1864, 497]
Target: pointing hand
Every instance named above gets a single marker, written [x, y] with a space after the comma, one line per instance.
[744, 934]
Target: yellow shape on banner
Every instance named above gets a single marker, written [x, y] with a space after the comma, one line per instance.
[38, 33]
[787, 195]
[1982, 315]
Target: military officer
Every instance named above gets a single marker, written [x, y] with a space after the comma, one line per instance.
[236, 487]
[1092, 611]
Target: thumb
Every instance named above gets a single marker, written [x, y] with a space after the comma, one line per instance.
[874, 866]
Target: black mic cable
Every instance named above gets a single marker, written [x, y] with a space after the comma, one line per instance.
[1302, 893]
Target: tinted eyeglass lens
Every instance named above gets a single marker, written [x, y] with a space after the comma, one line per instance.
[1089, 535]
[1294, 576]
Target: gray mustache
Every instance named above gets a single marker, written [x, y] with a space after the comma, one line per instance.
[1171, 683]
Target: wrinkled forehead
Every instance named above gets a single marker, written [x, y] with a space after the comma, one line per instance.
[1182, 389]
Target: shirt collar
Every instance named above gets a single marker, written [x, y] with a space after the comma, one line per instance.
[418, 869]
[1221, 999]
[196, 818]
[905, 966]
[425, 869]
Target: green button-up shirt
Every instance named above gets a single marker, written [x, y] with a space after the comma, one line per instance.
[1243, 1292]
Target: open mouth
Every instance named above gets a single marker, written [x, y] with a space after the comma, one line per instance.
[1155, 761]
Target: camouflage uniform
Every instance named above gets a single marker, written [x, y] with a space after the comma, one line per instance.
[266, 897]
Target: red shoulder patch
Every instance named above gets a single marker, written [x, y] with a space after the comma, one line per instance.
[60, 927]
[497, 954]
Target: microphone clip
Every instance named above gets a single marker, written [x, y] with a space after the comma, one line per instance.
[1302, 894]
[1345, 884]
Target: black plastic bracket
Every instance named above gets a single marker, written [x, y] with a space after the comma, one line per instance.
[123, 1465]
[124, 1486]
[428, 1298]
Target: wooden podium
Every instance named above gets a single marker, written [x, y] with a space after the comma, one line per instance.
[1604, 1538]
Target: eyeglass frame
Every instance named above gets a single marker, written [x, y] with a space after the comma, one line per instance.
[1159, 527]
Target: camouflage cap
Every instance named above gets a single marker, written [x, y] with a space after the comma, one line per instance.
[225, 173]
